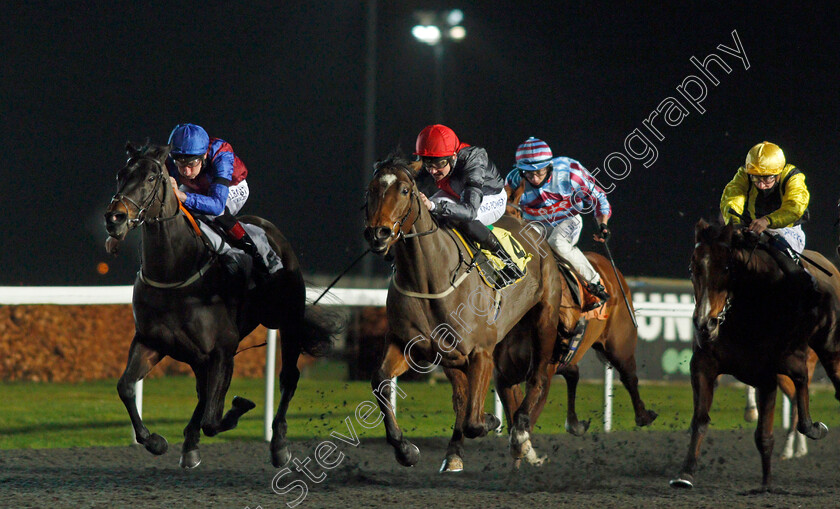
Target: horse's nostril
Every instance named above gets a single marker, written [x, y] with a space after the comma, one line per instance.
[382, 232]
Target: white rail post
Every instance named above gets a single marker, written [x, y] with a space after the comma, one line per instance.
[608, 398]
[498, 411]
[394, 395]
[785, 411]
[138, 402]
[270, 356]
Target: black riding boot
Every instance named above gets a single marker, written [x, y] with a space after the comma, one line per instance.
[797, 275]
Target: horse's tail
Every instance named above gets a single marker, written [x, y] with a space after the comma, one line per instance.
[319, 329]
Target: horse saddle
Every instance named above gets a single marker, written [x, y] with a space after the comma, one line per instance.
[495, 272]
[579, 293]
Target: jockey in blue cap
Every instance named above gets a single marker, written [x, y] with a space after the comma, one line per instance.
[556, 191]
[210, 180]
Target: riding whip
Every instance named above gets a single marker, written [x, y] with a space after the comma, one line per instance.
[620, 285]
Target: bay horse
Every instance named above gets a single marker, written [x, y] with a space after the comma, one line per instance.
[746, 324]
[614, 339]
[187, 306]
[441, 313]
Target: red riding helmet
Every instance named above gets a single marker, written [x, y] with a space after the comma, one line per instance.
[437, 141]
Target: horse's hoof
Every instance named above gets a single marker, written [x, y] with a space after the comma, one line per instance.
[492, 423]
[281, 456]
[817, 431]
[532, 458]
[190, 459]
[243, 404]
[407, 454]
[451, 464]
[156, 444]
[517, 463]
[683, 481]
[521, 450]
[751, 414]
[577, 429]
[646, 418]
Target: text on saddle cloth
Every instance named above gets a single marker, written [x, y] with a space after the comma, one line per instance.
[497, 274]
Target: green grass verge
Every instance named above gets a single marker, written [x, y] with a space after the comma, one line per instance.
[40, 415]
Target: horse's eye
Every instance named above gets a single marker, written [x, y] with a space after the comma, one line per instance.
[151, 178]
[404, 191]
[690, 270]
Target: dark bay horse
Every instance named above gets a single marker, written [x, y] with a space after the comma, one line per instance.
[188, 307]
[614, 339]
[747, 325]
[440, 312]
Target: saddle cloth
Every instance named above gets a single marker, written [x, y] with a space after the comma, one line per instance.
[573, 280]
[494, 271]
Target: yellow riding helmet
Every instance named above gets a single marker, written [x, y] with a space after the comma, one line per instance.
[765, 159]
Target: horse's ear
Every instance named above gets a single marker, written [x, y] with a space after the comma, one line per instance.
[414, 168]
[159, 152]
[376, 166]
[698, 228]
[726, 233]
[131, 149]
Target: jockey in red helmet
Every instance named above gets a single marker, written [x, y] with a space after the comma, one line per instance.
[470, 192]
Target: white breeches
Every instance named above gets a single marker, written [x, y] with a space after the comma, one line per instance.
[793, 235]
[563, 238]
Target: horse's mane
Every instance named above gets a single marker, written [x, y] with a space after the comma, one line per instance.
[743, 245]
[396, 158]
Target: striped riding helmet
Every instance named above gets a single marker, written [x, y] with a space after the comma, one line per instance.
[533, 155]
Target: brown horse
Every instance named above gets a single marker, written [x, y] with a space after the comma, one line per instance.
[614, 338]
[744, 326]
[188, 307]
[441, 313]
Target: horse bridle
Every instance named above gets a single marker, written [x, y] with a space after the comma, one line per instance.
[397, 227]
[727, 305]
[119, 197]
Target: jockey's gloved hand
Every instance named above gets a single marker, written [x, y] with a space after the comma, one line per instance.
[605, 232]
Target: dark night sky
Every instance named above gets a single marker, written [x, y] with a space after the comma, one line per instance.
[284, 84]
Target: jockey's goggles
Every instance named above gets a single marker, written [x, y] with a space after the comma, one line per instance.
[535, 172]
[767, 179]
[184, 161]
[434, 162]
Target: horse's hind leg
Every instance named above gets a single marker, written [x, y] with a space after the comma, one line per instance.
[764, 429]
[703, 375]
[454, 460]
[797, 370]
[289, 376]
[141, 360]
[571, 373]
[394, 364]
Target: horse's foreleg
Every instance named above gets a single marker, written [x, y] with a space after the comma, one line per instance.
[764, 429]
[571, 373]
[537, 388]
[703, 375]
[479, 372]
[141, 360]
[454, 460]
[289, 376]
[219, 374]
[394, 364]
[190, 457]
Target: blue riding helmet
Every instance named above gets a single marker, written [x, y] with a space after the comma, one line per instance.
[189, 140]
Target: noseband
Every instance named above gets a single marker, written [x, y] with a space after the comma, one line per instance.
[119, 197]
